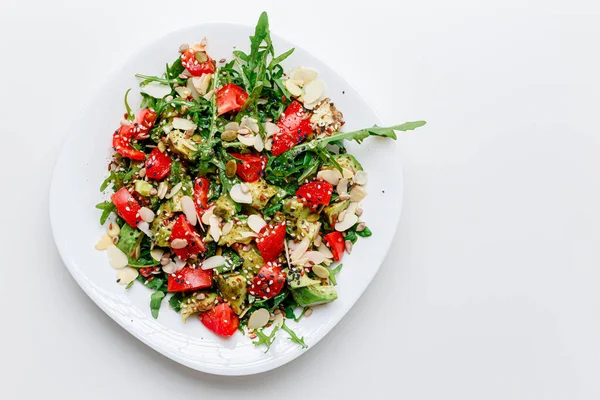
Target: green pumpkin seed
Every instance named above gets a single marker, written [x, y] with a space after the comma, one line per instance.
[162, 147]
[230, 168]
[197, 138]
[201, 56]
[229, 136]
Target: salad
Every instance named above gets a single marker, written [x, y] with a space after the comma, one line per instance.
[233, 197]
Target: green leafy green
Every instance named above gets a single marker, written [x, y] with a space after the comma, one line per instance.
[130, 115]
[155, 302]
[334, 272]
[107, 207]
[175, 301]
[129, 239]
[293, 337]
[264, 339]
[366, 232]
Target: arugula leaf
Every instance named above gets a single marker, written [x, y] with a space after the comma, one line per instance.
[264, 339]
[107, 207]
[334, 272]
[130, 284]
[130, 115]
[293, 337]
[261, 32]
[280, 58]
[175, 301]
[149, 78]
[357, 136]
[155, 301]
[365, 232]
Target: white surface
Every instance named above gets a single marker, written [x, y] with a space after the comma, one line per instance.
[78, 175]
[491, 291]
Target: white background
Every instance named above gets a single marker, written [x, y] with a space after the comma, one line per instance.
[492, 289]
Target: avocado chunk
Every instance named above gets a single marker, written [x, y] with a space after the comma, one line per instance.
[225, 207]
[180, 145]
[196, 303]
[301, 221]
[333, 210]
[237, 234]
[253, 261]
[261, 193]
[348, 161]
[162, 226]
[297, 280]
[233, 289]
[142, 187]
[314, 295]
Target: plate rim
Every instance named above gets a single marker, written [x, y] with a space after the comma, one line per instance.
[80, 277]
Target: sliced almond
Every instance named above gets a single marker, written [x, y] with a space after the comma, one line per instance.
[104, 242]
[268, 144]
[258, 143]
[162, 189]
[239, 196]
[127, 275]
[116, 257]
[314, 257]
[169, 268]
[300, 249]
[293, 88]
[201, 83]
[305, 75]
[174, 191]
[360, 178]
[347, 223]
[157, 254]
[227, 227]
[209, 95]
[256, 222]
[325, 251]
[313, 91]
[113, 230]
[271, 129]
[215, 228]
[178, 244]
[357, 193]
[213, 262]
[248, 234]
[146, 214]
[248, 140]
[179, 263]
[156, 90]
[300, 261]
[346, 173]
[258, 319]
[332, 176]
[207, 214]
[183, 91]
[184, 124]
[250, 123]
[189, 209]
[342, 186]
[193, 92]
[278, 321]
[145, 227]
[321, 271]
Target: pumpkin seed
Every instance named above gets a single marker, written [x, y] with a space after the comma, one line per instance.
[229, 136]
[230, 168]
[201, 56]
[321, 271]
[197, 138]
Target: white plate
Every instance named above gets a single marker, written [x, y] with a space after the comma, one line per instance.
[80, 170]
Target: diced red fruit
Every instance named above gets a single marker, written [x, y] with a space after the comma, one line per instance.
[184, 230]
[201, 191]
[144, 121]
[127, 206]
[188, 279]
[315, 193]
[220, 320]
[158, 165]
[335, 240]
[189, 61]
[268, 282]
[122, 143]
[230, 98]
[270, 241]
[251, 167]
[294, 128]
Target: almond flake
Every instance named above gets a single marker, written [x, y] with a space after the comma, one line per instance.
[256, 222]
[300, 249]
[116, 257]
[293, 88]
[258, 319]
[332, 176]
[147, 214]
[127, 275]
[239, 196]
[360, 178]
[306, 75]
[183, 124]
[313, 91]
[357, 193]
[174, 191]
[213, 262]
[104, 242]
[157, 254]
[178, 244]
[189, 209]
[227, 227]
